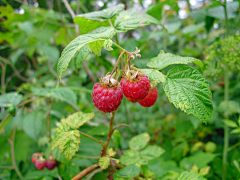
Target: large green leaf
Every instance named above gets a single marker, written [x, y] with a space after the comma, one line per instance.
[128, 20]
[218, 12]
[130, 171]
[193, 28]
[78, 119]
[68, 142]
[32, 124]
[190, 176]
[64, 94]
[152, 152]
[81, 55]
[10, 99]
[154, 75]
[165, 59]
[74, 46]
[229, 107]
[139, 142]
[188, 90]
[101, 16]
[104, 162]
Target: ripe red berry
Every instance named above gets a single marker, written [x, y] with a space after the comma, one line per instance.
[36, 156]
[150, 99]
[135, 89]
[105, 98]
[51, 163]
[40, 164]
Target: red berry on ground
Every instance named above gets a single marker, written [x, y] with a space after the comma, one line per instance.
[135, 89]
[40, 164]
[107, 99]
[51, 163]
[36, 156]
[150, 99]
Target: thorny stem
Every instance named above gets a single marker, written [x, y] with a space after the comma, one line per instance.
[98, 141]
[109, 135]
[11, 141]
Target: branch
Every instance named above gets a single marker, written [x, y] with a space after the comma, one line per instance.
[120, 125]
[71, 12]
[3, 77]
[11, 141]
[86, 172]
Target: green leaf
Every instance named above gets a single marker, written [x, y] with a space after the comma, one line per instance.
[104, 162]
[32, 124]
[235, 131]
[79, 42]
[68, 142]
[40, 174]
[116, 137]
[10, 99]
[188, 90]
[81, 55]
[230, 123]
[154, 75]
[201, 159]
[190, 176]
[129, 20]
[77, 119]
[229, 107]
[64, 94]
[51, 52]
[96, 47]
[165, 59]
[152, 152]
[218, 12]
[130, 171]
[101, 16]
[139, 142]
[204, 171]
[108, 45]
[193, 28]
[130, 157]
[15, 56]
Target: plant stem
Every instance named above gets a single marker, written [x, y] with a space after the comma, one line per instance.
[226, 17]
[3, 77]
[86, 172]
[234, 146]
[109, 135]
[11, 141]
[117, 62]
[98, 141]
[115, 44]
[87, 157]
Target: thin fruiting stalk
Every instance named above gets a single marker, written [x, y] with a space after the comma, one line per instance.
[87, 157]
[98, 141]
[11, 141]
[117, 62]
[109, 134]
[226, 98]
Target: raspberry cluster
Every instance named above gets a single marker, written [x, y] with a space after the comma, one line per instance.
[41, 163]
[107, 95]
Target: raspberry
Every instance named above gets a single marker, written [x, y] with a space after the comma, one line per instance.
[150, 99]
[36, 156]
[40, 164]
[51, 163]
[135, 89]
[105, 98]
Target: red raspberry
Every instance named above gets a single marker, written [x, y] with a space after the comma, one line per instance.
[40, 164]
[107, 99]
[135, 89]
[150, 99]
[36, 156]
[51, 163]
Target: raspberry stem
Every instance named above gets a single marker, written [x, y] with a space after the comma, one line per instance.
[98, 141]
[109, 134]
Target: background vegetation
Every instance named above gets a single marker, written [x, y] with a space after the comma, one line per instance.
[34, 33]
